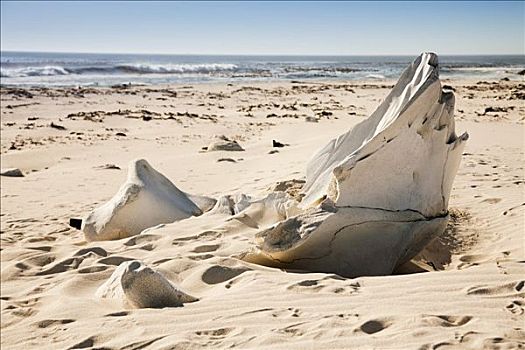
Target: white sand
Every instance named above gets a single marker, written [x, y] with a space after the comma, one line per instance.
[50, 273]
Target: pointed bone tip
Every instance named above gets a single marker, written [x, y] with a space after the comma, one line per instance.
[140, 162]
[140, 167]
[431, 58]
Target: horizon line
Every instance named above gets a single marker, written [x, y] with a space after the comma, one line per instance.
[254, 54]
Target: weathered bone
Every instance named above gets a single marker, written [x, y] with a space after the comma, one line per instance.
[136, 285]
[377, 194]
[146, 199]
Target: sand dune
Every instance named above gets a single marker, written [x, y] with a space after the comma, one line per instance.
[466, 290]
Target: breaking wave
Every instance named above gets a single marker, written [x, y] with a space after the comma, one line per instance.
[119, 69]
[176, 68]
[33, 71]
[375, 76]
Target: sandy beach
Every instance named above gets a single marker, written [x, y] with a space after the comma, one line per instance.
[466, 290]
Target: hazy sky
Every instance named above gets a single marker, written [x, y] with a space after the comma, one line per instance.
[265, 27]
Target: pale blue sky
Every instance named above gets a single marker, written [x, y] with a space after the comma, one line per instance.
[329, 28]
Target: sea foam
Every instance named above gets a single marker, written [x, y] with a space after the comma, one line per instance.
[32, 71]
[138, 68]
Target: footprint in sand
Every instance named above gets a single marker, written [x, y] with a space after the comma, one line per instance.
[326, 285]
[473, 260]
[460, 340]
[23, 308]
[206, 235]
[289, 312]
[49, 323]
[502, 343]
[515, 307]
[306, 285]
[200, 257]
[213, 337]
[445, 320]
[215, 333]
[505, 290]
[143, 238]
[291, 330]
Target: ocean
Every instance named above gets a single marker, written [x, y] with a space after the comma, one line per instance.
[74, 69]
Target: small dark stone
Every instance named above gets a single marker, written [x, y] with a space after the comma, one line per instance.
[57, 126]
[277, 144]
[75, 223]
[120, 134]
[325, 113]
[146, 118]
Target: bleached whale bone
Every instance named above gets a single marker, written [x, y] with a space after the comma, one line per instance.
[146, 199]
[136, 285]
[377, 194]
[404, 156]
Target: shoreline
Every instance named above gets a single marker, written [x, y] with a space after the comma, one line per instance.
[511, 77]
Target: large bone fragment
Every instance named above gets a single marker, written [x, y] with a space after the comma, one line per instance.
[135, 285]
[404, 156]
[377, 194]
[146, 199]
